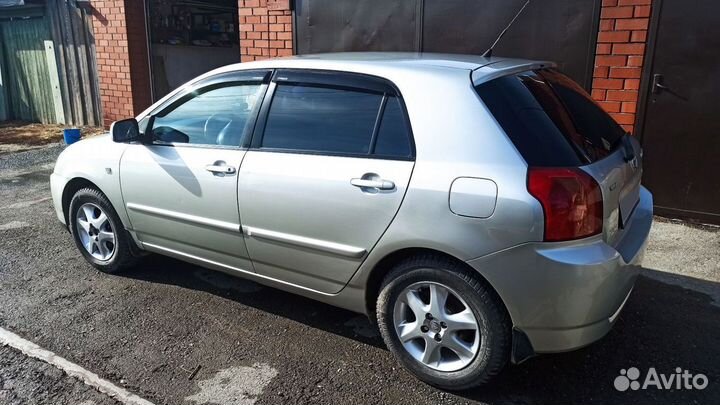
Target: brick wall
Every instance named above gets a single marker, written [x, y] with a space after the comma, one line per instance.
[121, 52]
[619, 57]
[265, 29]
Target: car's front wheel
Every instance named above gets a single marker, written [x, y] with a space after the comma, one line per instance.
[443, 322]
[98, 231]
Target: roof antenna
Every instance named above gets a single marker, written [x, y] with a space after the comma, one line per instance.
[489, 52]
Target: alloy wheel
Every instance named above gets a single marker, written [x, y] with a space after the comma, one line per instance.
[436, 326]
[95, 231]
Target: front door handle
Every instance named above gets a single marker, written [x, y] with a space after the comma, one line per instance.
[369, 183]
[219, 168]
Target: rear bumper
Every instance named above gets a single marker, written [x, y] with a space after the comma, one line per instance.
[566, 295]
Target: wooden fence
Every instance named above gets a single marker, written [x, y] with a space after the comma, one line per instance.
[49, 70]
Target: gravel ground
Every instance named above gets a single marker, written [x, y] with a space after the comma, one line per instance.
[151, 328]
[26, 381]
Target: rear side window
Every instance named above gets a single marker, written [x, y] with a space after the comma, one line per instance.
[393, 137]
[337, 121]
[311, 118]
[551, 120]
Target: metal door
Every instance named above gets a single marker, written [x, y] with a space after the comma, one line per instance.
[680, 124]
[564, 31]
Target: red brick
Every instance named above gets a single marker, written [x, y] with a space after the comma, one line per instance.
[632, 84]
[615, 84]
[278, 4]
[635, 61]
[642, 11]
[633, 2]
[601, 71]
[277, 27]
[610, 106]
[603, 49]
[625, 72]
[284, 35]
[598, 94]
[628, 49]
[610, 60]
[613, 36]
[632, 24]
[621, 118]
[607, 25]
[621, 95]
[638, 36]
[609, 3]
[629, 107]
[628, 128]
[269, 28]
[616, 12]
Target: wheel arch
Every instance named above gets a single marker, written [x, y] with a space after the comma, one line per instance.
[386, 264]
[72, 187]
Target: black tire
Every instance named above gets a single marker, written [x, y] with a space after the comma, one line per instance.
[122, 256]
[494, 323]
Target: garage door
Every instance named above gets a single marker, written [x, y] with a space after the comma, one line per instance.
[560, 30]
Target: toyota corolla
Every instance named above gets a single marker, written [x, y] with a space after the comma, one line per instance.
[482, 210]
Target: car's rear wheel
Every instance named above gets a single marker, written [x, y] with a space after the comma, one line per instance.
[443, 322]
[98, 232]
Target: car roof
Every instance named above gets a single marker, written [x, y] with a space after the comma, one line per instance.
[391, 65]
[356, 61]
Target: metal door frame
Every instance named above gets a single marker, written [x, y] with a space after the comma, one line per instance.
[648, 67]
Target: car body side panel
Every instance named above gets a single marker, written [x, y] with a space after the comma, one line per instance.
[175, 203]
[97, 160]
[466, 142]
[304, 222]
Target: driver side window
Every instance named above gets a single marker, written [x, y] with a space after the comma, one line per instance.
[215, 115]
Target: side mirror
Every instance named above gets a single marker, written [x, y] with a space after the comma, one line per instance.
[124, 131]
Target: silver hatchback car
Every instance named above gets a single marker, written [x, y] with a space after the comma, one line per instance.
[482, 210]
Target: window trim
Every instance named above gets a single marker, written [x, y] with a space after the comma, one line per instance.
[336, 80]
[227, 79]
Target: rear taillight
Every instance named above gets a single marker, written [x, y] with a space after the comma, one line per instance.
[571, 200]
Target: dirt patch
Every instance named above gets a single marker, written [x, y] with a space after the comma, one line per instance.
[34, 134]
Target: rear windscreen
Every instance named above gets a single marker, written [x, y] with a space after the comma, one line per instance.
[551, 120]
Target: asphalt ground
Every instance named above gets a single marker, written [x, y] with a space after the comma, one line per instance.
[175, 333]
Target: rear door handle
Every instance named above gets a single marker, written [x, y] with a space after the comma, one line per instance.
[220, 169]
[377, 184]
